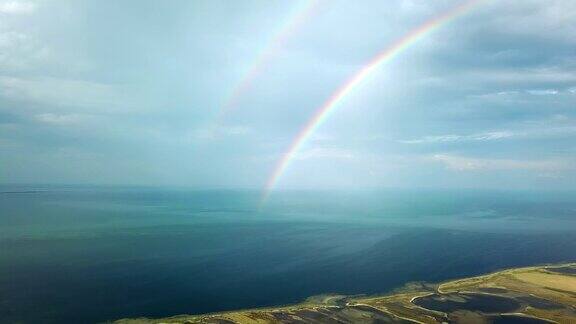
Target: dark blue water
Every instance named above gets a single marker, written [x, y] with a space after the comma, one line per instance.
[91, 254]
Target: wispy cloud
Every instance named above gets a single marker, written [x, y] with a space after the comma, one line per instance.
[527, 92]
[16, 7]
[65, 93]
[554, 19]
[489, 136]
[551, 75]
[62, 119]
[20, 50]
[460, 163]
[543, 92]
[555, 126]
[215, 132]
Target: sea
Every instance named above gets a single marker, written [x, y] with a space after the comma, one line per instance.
[92, 254]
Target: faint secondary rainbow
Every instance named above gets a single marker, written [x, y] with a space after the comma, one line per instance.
[294, 22]
[328, 107]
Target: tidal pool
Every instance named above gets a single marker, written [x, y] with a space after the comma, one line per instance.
[473, 302]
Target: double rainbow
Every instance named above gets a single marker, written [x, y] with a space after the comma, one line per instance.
[330, 105]
[295, 21]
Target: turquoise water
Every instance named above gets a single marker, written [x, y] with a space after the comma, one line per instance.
[91, 254]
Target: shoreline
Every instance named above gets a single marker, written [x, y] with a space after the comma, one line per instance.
[534, 293]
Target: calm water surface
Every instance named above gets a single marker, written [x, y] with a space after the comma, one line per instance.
[92, 254]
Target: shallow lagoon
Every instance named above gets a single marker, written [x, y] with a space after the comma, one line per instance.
[484, 303]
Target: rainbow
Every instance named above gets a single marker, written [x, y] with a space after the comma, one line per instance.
[295, 21]
[329, 106]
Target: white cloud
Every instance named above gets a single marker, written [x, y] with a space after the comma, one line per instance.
[16, 7]
[550, 19]
[460, 163]
[557, 125]
[507, 93]
[521, 94]
[62, 119]
[550, 74]
[215, 132]
[490, 136]
[12, 38]
[543, 92]
[64, 93]
[21, 51]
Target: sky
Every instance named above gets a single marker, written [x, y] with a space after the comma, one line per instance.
[139, 92]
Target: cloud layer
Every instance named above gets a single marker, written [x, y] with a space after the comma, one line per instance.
[131, 92]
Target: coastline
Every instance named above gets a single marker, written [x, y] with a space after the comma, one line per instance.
[535, 294]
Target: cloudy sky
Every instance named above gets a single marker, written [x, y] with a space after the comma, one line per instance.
[138, 92]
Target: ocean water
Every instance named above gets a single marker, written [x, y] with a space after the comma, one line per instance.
[94, 254]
